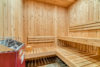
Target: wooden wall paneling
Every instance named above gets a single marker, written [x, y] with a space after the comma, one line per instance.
[62, 24]
[55, 25]
[84, 19]
[84, 10]
[34, 21]
[78, 13]
[47, 15]
[5, 19]
[16, 19]
[96, 10]
[39, 21]
[43, 19]
[98, 33]
[28, 18]
[25, 20]
[11, 19]
[99, 9]
[84, 33]
[91, 10]
[20, 20]
[1, 18]
[51, 22]
[40, 13]
[92, 34]
[10, 23]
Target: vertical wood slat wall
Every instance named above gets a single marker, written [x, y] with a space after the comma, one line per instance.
[84, 19]
[11, 22]
[50, 21]
[1, 19]
[43, 20]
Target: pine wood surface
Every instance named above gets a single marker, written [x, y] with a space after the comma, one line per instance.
[33, 53]
[72, 57]
[5, 49]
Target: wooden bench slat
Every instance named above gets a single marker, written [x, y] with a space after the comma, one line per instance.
[70, 56]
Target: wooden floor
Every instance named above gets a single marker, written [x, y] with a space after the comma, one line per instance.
[70, 56]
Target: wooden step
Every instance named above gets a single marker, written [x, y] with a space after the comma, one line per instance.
[74, 58]
[71, 56]
[39, 52]
[88, 45]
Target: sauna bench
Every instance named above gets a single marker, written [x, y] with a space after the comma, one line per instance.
[36, 53]
[87, 41]
[70, 56]
[74, 58]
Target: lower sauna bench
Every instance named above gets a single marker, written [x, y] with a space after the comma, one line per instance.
[39, 52]
[70, 56]
[75, 58]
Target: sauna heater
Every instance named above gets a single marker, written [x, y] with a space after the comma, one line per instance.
[13, 57]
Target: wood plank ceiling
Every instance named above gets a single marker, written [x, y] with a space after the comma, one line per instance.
[63, 3]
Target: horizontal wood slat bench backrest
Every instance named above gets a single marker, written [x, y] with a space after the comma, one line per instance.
[90, 26]
[40, 39]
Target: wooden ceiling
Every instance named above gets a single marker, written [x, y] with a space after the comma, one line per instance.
[63, 3]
